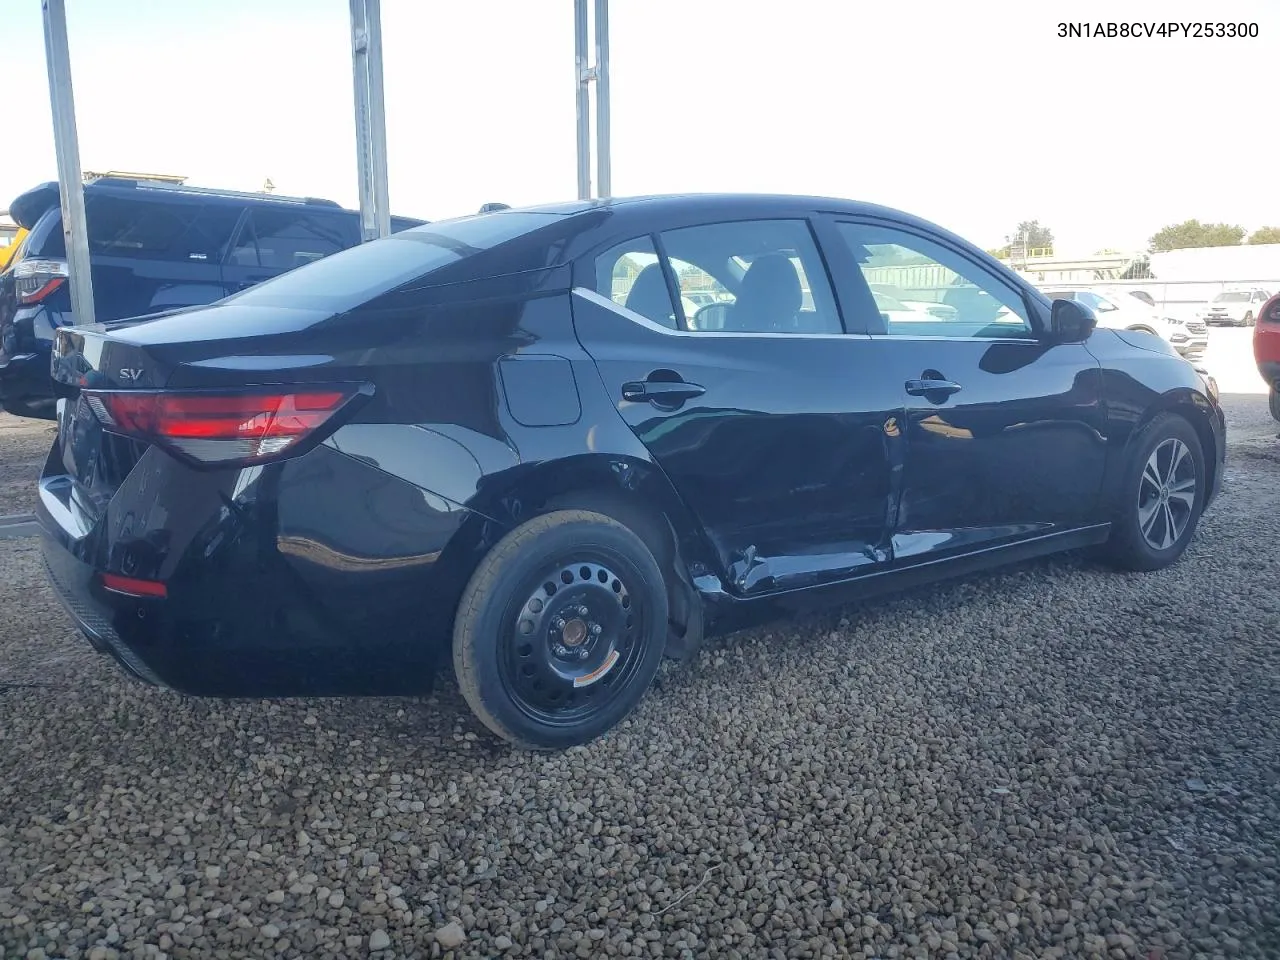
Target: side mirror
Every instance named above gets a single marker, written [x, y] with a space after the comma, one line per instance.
[1071, 321]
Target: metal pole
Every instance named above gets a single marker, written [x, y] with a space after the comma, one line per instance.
[67, 148]
[603, 157]
[371, 128]
[377, 118]
[584, 100]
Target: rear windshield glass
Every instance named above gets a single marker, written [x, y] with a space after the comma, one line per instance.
[45, 241]
[143, 229]
[1231, 298]
[347, 279]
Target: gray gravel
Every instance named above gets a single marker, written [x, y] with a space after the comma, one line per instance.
[1053, 761]
[24, 444]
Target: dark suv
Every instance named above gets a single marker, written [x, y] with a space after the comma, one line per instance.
[154, 246]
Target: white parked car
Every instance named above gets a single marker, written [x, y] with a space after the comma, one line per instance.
[938, 311]
[896, 311]
[1236, 308]
[1118, 311]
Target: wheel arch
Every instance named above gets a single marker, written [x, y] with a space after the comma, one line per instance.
[1191, 407]
[633, 491]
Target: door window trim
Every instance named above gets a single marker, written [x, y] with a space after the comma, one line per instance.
[830, 235]
[591, 296]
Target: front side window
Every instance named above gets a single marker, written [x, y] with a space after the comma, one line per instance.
[922, 288]
[762, 276]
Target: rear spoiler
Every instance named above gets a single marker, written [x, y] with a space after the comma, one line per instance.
[31, 206]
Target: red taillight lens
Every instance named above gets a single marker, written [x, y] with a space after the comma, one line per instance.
[133, 587]
[222, 427]
[33, 280]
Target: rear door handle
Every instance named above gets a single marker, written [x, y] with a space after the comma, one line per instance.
[661, 392]
[923, 388]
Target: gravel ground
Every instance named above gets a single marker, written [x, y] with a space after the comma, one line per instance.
[1052, 761]
[23, 446]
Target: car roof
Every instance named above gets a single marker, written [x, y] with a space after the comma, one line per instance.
[636, 215]
[34, 203]
[685, 203]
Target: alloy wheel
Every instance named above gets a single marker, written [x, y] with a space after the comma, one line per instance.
[1166, 494]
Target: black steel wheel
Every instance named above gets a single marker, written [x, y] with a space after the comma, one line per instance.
[560, 630]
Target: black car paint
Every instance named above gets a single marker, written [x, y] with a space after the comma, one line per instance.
[497, 391]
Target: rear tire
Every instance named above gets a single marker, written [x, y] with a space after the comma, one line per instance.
[1248, 320]
[1161, 497]
[1273, 401]
[560, 630]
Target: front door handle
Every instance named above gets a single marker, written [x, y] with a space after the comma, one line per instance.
[926, 388]
[661, 392]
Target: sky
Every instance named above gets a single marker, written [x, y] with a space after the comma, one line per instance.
[975, 114]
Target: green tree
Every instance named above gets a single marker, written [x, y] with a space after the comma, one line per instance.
[1193, 233]
[1265, 235]
[1031, 235]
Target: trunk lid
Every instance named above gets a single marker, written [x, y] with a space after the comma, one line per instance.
[143, 354]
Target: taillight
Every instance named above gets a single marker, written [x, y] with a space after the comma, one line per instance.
[36, 279]
[133, 587]
[221, 428]
[1270, 312]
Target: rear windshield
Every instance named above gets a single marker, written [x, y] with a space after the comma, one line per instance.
[45, 240]
[142, 229]
[347, 279]
[1231, 298]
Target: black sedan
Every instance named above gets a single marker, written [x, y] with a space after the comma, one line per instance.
[513, 441]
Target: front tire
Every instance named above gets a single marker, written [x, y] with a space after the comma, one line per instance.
[1248, 319]
[1273, 402]
[560, 630]
[1161, 498]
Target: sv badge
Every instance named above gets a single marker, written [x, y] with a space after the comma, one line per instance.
[132, 374]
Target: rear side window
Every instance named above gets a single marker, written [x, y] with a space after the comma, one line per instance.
[285, 238]
[358, 274]
[631, 275]
[765, 277]
[155, 230]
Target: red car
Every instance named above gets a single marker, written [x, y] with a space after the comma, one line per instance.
[1266, 349]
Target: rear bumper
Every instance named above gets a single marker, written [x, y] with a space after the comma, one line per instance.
[272, 588]
[26, 344]
[73, 582]
[25, 375]
[1270, 371]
